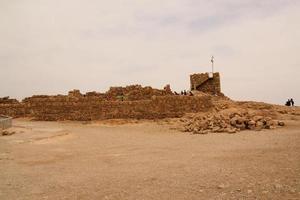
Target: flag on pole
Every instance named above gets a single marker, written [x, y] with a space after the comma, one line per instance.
[212, 64]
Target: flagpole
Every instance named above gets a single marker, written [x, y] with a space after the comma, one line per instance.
[212, 67]
[212, 64]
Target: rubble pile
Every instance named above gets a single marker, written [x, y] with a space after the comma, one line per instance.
[230, 121]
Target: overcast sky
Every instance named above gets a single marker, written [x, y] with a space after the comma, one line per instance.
[53, 46]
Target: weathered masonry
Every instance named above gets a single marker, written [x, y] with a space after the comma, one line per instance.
[132, 101]
[94, 108]
[206, 82]
[5, 122]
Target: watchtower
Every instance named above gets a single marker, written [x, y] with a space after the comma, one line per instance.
[206, 82]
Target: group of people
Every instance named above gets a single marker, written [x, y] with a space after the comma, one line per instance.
[184, 92]
[290, 102]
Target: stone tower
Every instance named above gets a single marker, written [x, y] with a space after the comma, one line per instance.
[206, 82]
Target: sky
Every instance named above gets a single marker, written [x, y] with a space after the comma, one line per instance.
[53, 46]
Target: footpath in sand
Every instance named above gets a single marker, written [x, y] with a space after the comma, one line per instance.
[130, 159]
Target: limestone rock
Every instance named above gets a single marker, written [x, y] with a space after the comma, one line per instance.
[259, 125]
[281, 123]
[230, 122]
[7, 132]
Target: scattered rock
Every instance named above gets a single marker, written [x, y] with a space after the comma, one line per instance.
[221, 186]
[233, 121]
[7, 132]
[281, 123]
[257, 118]
[231, 130]
[251, 123]
[259, 125]
[226, 121]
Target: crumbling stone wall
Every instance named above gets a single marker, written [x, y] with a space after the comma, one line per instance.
[135, 102]
[7, 100]
[94, 108]
[128, 93]
[204, 83]
[135, 92]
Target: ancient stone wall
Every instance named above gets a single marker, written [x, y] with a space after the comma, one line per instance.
[132, 101]
[5, 100]
[135, 92]
[204, 83]
[119, 102]
[94, 108]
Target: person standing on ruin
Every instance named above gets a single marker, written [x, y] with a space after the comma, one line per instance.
[292, 102]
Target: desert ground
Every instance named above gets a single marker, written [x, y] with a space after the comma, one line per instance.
[147, 160]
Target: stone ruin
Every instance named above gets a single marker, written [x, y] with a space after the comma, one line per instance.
[132, 101]
[5, 122]
[7, 100]
[206, 82]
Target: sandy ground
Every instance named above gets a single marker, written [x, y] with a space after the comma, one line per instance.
[147, 160]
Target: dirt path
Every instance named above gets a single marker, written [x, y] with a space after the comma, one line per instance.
[67, 160]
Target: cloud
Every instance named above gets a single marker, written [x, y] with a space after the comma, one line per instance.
[53, 46]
